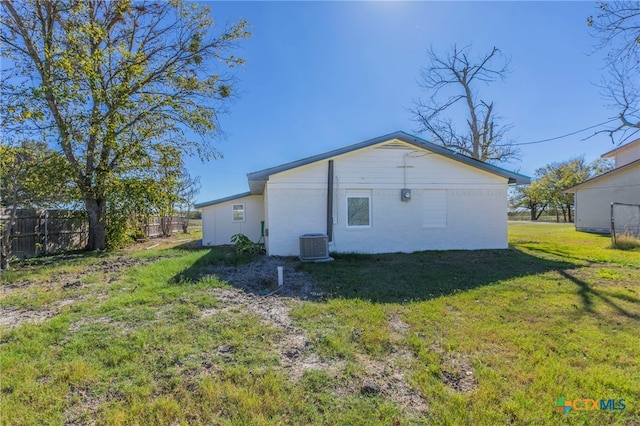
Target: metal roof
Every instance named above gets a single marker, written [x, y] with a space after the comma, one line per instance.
[258, 179]
[222, 200]
[574, 188]
[615, 151]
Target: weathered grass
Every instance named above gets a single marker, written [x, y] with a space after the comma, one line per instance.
[626, 242]
[558, 314]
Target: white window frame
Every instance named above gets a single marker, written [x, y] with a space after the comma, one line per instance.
[233, 212]
[356, 195]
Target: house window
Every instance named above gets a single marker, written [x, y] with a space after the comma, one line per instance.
[238, 212]
[358, 211]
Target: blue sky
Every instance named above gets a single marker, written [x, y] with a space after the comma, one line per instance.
[322, 75]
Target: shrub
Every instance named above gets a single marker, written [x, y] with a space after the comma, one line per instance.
[119, 230]
[244, 245]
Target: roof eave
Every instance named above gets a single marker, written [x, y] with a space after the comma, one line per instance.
[256, 186]
[257, 180]
[615, 151]
[222, 200]
[574, 188]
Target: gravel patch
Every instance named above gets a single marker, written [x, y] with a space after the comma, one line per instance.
[260, 277]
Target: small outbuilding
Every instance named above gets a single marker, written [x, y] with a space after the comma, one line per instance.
[593, 197]
[394, 193]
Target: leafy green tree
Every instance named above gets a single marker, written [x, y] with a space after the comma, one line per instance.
[31, 176]
[556, 177]
[453, 79]
[531, 197]
[546, 192]
[115, 84]
[600, 166]
[150, 192]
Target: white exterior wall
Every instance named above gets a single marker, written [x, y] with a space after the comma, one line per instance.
[475, 203]
[627, 155]
[218, 225]
[593, 200]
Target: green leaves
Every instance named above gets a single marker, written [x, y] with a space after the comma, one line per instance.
[224, 90]
[244, 245]
[33, 175]
[547, 190]
[120, 84]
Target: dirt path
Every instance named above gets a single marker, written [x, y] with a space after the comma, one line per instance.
[71, 286]
[256, 291]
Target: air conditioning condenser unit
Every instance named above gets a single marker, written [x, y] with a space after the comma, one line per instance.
[314, 247]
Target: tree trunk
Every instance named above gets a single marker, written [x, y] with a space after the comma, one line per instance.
[185, 221]
[96, 211]
[5, 253]
[539, 212]
[5, 250]
[569, 213]
[165, 225]
[533, 213]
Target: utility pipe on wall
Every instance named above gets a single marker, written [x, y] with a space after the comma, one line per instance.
[330, 202]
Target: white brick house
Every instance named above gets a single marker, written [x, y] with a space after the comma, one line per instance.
[394, 193]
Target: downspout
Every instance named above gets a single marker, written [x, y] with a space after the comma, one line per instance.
[330, 202]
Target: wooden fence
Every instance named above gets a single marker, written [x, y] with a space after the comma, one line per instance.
[38, 232]
[153, 229]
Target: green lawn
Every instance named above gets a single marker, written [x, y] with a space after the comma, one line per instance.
[461, 337]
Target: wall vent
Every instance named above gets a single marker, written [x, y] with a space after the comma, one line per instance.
[392, 145]
[314, 247]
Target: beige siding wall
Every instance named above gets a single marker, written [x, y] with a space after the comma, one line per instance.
[628, 155]
[473, 202]
[593, 201]
[218, 225]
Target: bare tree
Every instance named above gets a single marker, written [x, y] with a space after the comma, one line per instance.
[617, 28]
[452, 79]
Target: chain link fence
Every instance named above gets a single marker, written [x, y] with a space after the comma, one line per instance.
[625, 221]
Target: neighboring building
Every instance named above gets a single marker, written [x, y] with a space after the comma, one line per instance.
[593, 197]
[395, 193]
[624, 154]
